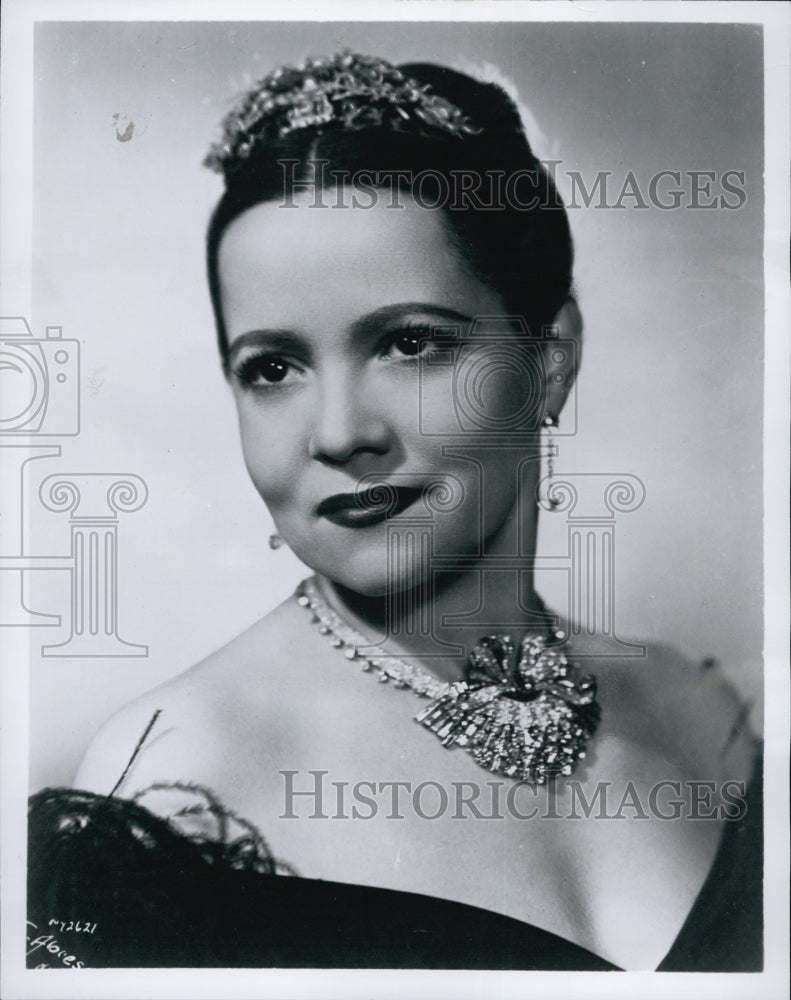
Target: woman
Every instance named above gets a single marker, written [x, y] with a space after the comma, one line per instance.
[390, 269]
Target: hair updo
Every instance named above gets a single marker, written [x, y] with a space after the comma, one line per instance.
[520, 245]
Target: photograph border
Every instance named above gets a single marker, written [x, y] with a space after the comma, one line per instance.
[18, 983]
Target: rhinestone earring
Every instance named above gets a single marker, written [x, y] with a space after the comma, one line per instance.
[549, 424]
[275, 541]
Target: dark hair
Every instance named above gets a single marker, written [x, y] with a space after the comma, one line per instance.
[522, 249]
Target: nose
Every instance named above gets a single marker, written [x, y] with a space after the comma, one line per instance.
[348, 420]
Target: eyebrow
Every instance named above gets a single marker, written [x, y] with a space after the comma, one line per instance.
[278, 340]
[283, 339]
[388, 314]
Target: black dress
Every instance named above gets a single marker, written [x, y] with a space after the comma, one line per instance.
[112, 885]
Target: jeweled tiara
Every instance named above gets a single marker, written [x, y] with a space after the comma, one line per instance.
[352, 90]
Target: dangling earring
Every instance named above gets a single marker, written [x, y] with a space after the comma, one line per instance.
[275, 541]
[549, 424]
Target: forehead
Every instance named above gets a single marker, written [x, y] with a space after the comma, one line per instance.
[294, 266]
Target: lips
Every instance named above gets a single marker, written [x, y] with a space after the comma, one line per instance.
[368, 507]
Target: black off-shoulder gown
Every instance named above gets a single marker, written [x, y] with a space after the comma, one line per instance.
[151, 896]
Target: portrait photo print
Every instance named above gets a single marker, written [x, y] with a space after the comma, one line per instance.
[385, 528]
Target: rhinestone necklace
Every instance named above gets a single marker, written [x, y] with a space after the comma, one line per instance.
[519, 712]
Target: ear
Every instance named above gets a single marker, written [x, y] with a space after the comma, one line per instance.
[562, 349]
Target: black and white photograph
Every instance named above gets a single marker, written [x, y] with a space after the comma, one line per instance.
[394, 437]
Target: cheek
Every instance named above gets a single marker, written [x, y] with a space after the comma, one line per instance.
[497, 392]
[489, 392]
[428, 415]
[512, 396]
[271, 449]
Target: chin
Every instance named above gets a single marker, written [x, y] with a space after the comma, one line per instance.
[376, 562]
[366, 573]
[366, 582]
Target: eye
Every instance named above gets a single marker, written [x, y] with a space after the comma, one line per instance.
[415, 340]
[410, 343]
[264, 370]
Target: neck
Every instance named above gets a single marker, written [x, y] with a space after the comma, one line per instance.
[439, 622]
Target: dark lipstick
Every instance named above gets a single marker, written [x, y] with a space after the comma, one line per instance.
[368, 507]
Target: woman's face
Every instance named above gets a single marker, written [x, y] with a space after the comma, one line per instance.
[342, 382]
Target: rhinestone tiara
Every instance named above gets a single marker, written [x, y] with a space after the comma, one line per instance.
[347, 89]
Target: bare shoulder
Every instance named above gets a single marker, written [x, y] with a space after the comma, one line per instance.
[690, 711]
[189, 726]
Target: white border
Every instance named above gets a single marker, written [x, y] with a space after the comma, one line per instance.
[15, 234]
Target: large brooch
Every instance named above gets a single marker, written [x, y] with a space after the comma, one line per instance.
[519, 713]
